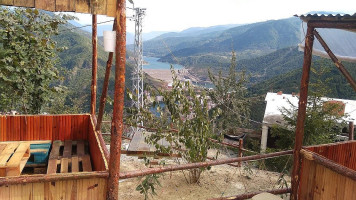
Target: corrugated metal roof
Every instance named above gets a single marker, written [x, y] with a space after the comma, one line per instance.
[327, 17]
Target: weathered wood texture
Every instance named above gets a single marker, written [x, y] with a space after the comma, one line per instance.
[54, 127]
[320, 182]
[78, 185]
[100, 7]
[80, 189]
[44, 127]
[343, 153]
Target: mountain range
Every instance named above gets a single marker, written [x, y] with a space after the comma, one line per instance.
[267, 51]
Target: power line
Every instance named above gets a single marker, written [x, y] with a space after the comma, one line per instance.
[69, 29]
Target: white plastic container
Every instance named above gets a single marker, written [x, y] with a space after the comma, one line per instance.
[109, 41]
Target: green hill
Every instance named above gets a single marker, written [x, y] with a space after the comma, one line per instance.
[248, 41]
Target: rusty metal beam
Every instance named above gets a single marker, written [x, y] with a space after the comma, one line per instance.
[299, 133]
[144, 172]
[336, 61]
[250, 195]
[94, 65]
[117, 124]
[104, 92]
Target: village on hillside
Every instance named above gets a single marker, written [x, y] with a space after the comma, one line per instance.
[262, 110]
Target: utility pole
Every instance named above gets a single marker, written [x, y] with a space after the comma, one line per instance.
[137, 75]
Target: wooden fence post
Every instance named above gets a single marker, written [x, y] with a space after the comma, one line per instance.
[241, 146]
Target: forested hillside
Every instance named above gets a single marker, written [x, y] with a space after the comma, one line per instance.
[75, 64]
[247, 41]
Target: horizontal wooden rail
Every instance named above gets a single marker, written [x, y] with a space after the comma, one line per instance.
[250, 195]
[144, 172]
[52, 177]
[329, 164]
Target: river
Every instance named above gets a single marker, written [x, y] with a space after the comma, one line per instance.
[153, 63]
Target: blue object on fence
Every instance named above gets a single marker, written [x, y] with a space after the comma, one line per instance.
[39, 153]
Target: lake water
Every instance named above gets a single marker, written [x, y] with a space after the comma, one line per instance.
[153, 63]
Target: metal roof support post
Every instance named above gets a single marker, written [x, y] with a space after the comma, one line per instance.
[117, 122]
[299, 133]
[105, 87]
[94, 65]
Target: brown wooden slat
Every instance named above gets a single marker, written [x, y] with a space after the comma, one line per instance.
[55, 150]
[64, 165]
[86, 163]
[111, 8]
[24, 3]
[75, 164]
[80, 148]
[7, 152]
[82, 6]
[67, 152]
[23, 150]
[2, 147]
[7, 2]
[65, 5]
[99, 7]
[52, 166]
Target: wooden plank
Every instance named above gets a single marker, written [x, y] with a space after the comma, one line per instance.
[65, 5]
[52, 166]
[49, 5]
[319, 177]
[42, 132]
[23, 135]
[329, 189]
[82, 6]
[86, 164]
[4, 192]
[80, 148]
[64, 165]
[68, 128]
[340, 187]
[7, 152]
[55, 131]
[75, 164]
[73, 128]
[99, 7]
[55, 150]
[2, 147]
[50, 128]
[350, 187]
[23, 150]
[26, 190]
[304, 179]
[38, 191]
[67, 152]
[15, 191]
[7, 2]
[111, 8]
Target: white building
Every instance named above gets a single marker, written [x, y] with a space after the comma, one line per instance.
[275, 102]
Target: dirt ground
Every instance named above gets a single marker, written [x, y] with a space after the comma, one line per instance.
[220, 181]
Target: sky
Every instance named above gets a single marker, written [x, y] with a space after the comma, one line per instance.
[177, 15]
